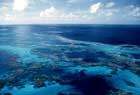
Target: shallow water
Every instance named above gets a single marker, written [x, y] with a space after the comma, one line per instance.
[31, 55]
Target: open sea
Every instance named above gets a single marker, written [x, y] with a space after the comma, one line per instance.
[70, 59]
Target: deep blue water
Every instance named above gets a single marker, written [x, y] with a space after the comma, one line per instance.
[109, 34]
[78, 59]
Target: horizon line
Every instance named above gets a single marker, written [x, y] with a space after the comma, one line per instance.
[71, 24]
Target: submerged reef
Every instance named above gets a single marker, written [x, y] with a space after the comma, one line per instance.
[118, 92]
[94, 85]
[2, 84]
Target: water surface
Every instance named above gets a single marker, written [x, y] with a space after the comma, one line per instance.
[78, 59]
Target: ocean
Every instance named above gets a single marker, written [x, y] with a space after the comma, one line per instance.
[82, 59]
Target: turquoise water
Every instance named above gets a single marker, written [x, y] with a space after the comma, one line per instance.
[46, 60]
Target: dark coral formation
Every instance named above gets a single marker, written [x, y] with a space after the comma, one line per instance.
[95, 85]
[2, 83]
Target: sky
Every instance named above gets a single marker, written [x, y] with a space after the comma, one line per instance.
[70, 11]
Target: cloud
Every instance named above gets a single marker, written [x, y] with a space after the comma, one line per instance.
[4, 10]
[50, 12]
[74, 16]
[73, 1]
[134, 11]
[110, 4]
[20, 5]
[103, 9]
[109, 14]
[95, 7]
[9, 17]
